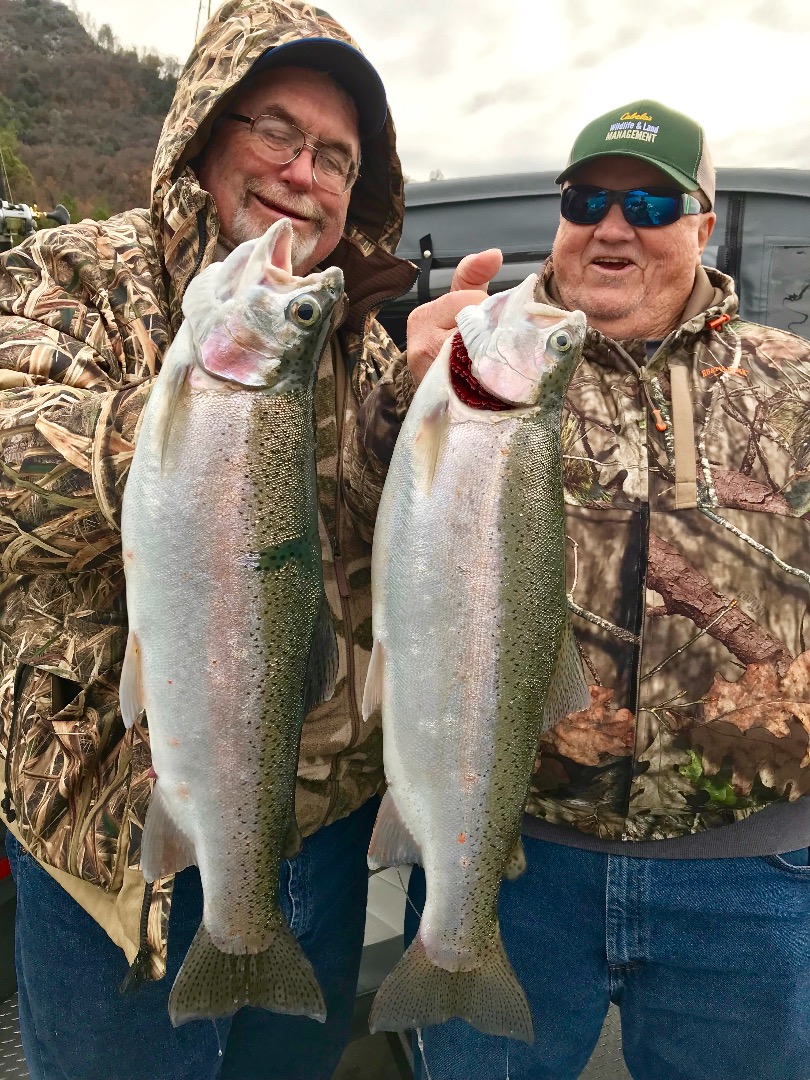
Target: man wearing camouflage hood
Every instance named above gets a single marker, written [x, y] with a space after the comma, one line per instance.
[87, 313]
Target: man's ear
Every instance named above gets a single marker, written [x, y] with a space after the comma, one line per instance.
[705, 229]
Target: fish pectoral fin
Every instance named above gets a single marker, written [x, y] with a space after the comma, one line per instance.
[516, 863]
[418, 993]
[173, 377]
[131, 688]
[165, 848]
[392, 843]
[212, 983]
[373, 690]
[293, 841]
[428, 444]
[568, 690]
[322, 668]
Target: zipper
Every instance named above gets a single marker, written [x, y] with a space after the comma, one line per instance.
[138, 972]
[342, 580]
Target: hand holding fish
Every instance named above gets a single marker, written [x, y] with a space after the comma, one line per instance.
[430, 325]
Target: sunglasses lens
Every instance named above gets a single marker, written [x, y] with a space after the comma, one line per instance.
[584, 205]
[645, 209]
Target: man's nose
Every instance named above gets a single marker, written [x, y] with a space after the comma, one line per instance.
[613, 226]
[298, 172]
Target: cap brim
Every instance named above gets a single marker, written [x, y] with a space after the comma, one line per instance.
[345, 64]
[684, 182]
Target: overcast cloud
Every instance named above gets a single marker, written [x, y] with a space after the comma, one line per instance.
[485, 86]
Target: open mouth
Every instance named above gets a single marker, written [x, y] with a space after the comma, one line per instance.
[612, 264]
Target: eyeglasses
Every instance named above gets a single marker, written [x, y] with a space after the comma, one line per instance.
[332, 168]
[643, 208]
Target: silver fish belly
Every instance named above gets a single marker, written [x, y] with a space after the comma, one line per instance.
[474, 653]
[231, 641]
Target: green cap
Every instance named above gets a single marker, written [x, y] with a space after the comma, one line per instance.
[650, 131]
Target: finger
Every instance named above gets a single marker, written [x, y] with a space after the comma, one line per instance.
[477, 270]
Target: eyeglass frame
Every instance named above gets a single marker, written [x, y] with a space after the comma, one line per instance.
[690, 205]
[315, 145]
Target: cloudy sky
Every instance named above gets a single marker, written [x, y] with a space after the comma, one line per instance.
[487, 86]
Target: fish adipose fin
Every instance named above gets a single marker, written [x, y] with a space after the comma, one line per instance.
[293, 841]
[392, 843]
[568, 690]
[516, 863]
[212, 983]
[164, 848]
[417, 993]
[131, 688]
[322, 668]
[373, 690]
[428, 444]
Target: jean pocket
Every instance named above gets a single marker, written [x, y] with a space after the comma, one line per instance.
[790, 863]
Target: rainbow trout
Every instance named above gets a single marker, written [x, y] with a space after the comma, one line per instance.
[230, 638]
[473, 652]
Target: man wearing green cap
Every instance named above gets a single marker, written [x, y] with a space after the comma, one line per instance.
[667, 826]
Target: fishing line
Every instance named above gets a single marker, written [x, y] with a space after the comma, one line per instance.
[219, 1041]
[402, 886]
[422, 1052]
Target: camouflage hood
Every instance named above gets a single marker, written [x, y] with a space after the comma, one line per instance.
[184, 217]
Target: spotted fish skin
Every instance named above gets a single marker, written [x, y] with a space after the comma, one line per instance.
[473, 651]
[230, 638]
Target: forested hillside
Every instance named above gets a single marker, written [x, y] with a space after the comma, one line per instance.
[79, 114]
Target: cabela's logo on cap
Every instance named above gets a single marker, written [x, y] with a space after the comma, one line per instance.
[634, 125]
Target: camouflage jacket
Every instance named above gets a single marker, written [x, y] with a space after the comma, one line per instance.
[87, 312]
[687, 483]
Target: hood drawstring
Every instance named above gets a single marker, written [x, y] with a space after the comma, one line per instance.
[677, 427]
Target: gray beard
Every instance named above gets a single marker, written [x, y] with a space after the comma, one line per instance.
[246, 228]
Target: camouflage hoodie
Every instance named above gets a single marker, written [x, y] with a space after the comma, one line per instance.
[687, 484]
[88, 312]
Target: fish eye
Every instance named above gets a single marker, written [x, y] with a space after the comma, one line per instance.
[305, 310]
[561, 341]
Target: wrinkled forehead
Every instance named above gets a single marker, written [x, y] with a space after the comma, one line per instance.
[620, 172]
[310, 98]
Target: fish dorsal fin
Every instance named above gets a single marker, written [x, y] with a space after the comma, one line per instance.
[375, 680]
[165, 849]
[568, 690]
[322, 668]
[392, 843]
[428, 444]
[131, 690]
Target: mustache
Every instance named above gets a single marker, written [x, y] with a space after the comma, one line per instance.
[296, 202]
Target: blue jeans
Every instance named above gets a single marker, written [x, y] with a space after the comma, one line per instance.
[76, 1026]
[708, 961]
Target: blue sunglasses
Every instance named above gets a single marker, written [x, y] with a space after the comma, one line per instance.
[643, 208]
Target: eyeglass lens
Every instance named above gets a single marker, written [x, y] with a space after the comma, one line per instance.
[334, 170]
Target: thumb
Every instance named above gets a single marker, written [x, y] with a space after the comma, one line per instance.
[477, 270]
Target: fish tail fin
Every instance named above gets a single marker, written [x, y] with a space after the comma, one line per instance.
[212, 983]
[418, 993]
